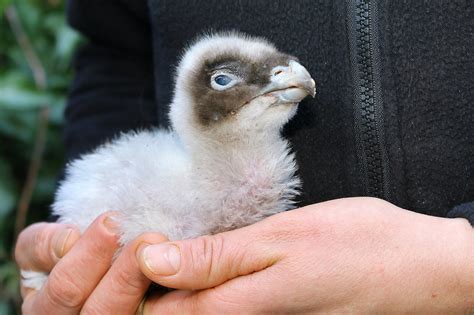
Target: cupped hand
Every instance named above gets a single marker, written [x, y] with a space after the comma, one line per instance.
[349, 255]
[82, 277]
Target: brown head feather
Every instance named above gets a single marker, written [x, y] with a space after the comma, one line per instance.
[212, 106]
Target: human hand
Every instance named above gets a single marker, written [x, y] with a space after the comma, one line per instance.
[349, 255]
[84, 280]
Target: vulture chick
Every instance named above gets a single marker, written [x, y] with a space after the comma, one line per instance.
[223, 165]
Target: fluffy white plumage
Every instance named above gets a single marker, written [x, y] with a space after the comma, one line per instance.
[194, 179]
[151, 179]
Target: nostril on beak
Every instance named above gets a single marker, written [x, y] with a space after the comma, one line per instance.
[278, 70]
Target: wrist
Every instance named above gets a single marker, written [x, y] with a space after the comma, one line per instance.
[439, 275]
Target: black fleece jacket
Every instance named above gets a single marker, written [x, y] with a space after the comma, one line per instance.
[393, 117]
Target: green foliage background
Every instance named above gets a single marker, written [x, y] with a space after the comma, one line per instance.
[21, 100]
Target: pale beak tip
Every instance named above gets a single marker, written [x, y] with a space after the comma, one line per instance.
[313, 90]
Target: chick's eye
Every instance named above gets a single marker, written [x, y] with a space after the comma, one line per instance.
[222, 79]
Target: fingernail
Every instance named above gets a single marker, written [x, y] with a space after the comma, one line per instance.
[162, 259]
[61, 241]
[111, 224]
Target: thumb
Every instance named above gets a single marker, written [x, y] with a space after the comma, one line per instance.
[207, 261]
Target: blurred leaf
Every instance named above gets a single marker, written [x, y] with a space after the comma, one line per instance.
[18, 98]
[14, 77]
[66, 42]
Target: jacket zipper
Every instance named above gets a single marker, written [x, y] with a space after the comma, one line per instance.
[368, 105]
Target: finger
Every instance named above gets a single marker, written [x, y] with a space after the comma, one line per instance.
[121, 290]
[190, 302]
[41, 245]
[77, 274]
[207, 261]
[26, 291]
[28, 300]
[243, 295]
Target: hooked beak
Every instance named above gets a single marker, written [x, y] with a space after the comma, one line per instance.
[291, 84]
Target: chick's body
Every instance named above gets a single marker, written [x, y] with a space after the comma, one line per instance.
[151, 179]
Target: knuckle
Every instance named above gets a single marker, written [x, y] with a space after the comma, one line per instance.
[206, 254]
[63, 290]
[25, 239]
[41, 245]
[42, 251]
[124, 283]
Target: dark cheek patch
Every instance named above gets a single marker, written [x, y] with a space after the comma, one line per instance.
[213, 106]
